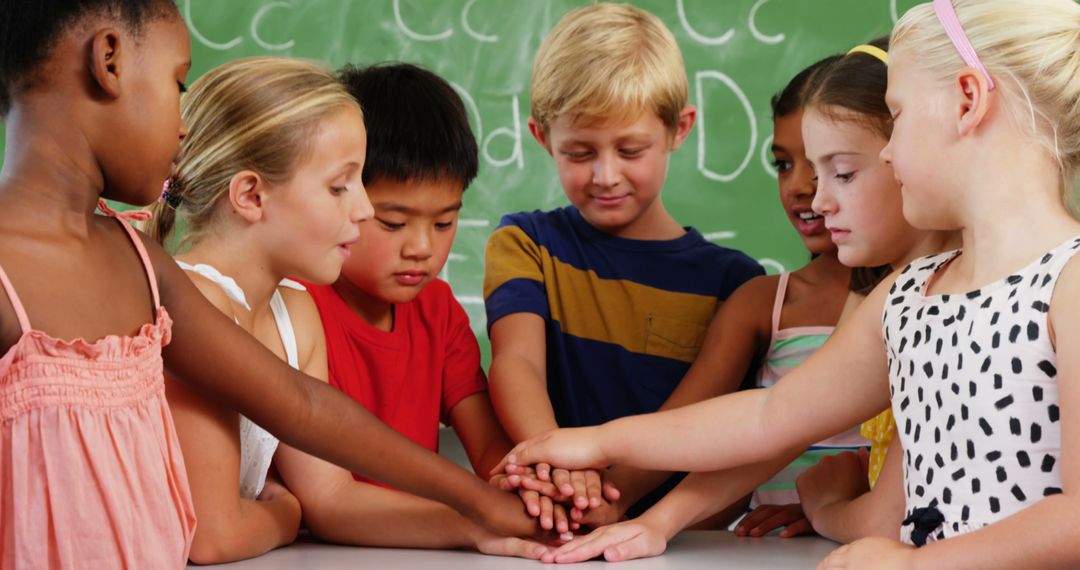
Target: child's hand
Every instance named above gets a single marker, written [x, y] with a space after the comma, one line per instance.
[504, 515]
[487, 543]
[836, 478]
[767, 518]
[595, 517]
[604, 509]
[527, 478]
[572, 448]
[622, 541]
[876, 553]
[586, 488]
[553, 516]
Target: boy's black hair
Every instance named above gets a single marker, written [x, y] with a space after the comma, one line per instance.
[29, 30]
[793, 97]
[417, 125]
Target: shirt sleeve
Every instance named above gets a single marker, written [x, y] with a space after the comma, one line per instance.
[462, 374]
[739, 269]
[513, 275]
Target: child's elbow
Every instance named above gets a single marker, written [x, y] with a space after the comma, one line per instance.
[217, 544]
[211, 549]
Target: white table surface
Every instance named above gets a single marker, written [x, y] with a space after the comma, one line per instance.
[715, 550]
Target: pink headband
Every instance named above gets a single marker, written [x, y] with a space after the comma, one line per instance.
[947, 15]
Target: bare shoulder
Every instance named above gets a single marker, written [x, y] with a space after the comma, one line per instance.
[306, 322]
[754, 295]
[166, 270]
[212, 291]
[869, 309]
[1065, 301]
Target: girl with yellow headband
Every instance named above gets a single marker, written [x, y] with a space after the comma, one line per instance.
[846, 125]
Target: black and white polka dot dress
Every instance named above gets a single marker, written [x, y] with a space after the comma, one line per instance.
[973, 380]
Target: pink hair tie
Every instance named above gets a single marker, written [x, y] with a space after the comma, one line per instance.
[169, 195]
[946, 14]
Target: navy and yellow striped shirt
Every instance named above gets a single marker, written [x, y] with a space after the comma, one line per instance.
[625, 318]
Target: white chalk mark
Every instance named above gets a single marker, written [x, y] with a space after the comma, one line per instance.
[757, 34]
[697, 36]
[255, 28]
[468, 27]
[417, 35]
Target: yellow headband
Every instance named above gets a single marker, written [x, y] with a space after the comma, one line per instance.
[871, 50]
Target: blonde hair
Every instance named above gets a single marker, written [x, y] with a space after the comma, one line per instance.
[256, 114]
[1032, 50]
[608, 63]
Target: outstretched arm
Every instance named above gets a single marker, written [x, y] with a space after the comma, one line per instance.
[695, 499]
[757, 424]
[225, 364]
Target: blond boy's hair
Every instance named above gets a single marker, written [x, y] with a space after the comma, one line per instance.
[608, 64]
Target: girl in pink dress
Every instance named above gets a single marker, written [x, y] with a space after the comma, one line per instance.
[90, 471]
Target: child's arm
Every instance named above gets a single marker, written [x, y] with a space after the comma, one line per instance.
[835, 498]
[230, 527]
[484, 440]
[736, 336]
[466, 405]
[695, 499]
[224, 363]
[518, 376]
[339, 509]
[1043, 535]
[756, 424]
[517, 381]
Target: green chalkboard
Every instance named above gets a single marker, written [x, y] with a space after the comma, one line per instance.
[738, 53]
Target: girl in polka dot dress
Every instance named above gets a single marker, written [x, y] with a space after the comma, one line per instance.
[986, 140]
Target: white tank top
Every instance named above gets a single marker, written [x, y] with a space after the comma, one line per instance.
[257, 446]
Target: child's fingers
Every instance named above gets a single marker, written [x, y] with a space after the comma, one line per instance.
[542, 487]
[576, 514]
[561, 479]
[518, 547]
[581, 496]
[616, 542]
[594, 488]
[753, 519]
[547, 517]
[611, 493]
[780, 518]
[532, 502]
[582, 548]
[796, 528]
[503, 482]
[562, 523]
[543, 471]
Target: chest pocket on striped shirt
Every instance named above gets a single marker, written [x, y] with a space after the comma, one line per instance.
[673, 338]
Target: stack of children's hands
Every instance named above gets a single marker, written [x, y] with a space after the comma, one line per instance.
[562, 500]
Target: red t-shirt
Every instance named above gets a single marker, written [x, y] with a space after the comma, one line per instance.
[412, 376]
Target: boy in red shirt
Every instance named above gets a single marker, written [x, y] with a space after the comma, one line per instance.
[397, 341]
